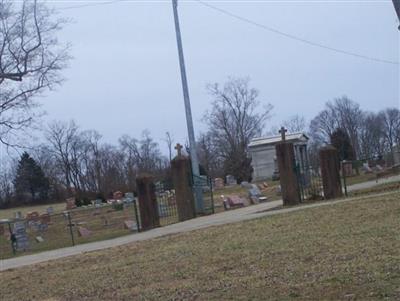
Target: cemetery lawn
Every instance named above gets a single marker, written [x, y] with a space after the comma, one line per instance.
[10, 213]
[346, 251]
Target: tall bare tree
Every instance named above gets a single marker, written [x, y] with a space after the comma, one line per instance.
[341, 113]
[31, 59]
[235, 118]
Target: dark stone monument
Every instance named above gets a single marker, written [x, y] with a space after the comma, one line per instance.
[286, 163]
[146, 190]
[181, 175]
[330, 171]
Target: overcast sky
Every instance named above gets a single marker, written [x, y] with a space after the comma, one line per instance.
[125, 74]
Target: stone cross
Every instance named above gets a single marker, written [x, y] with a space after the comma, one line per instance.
[283, 131]
[179, 147]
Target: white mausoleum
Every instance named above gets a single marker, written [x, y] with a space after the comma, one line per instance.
[263, 154]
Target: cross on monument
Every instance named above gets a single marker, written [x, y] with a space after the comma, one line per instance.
[178, 148]
[283, 131]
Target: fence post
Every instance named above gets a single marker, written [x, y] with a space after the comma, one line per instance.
[211, 194]
[344, 179]
[136, 215]
[70, 228]
[12, 238]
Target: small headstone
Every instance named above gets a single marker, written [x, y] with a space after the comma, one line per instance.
[44, 218]
[130, 225]
[84, 232]
[42, 227]
[129, 197]
[70, 204]
[254, 191]
[50, 210]
[366, 168]
[32, 216]
[21, 237]
[378, 167]
[118, 195]
[347, 168]
[18, 215]
[39, 239]
[218, 183]
[230, 180]
[235, 201]
[245, 184]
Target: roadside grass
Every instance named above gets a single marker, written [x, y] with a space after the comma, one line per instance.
[346, 251]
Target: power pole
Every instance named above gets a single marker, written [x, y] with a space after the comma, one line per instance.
[396, 4]
[198, 193]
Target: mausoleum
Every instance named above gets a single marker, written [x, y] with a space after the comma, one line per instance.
[263, 154]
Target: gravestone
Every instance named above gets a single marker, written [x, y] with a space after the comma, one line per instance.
[149, 216]
[21, 237]
[44, 218]
[233, 201]
[39, 239]
[347, 168]
[218, 183]
[287, 174]
[18, 215]
[50, 210]
[70, 204]
[246, 185]
[118, 195]
[366, 168]
[330, 171]
[130, 225]
[84, 232]
[230, 180]
[181, 176]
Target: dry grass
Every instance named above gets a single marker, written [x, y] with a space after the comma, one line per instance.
[341, 252]
[10, 213]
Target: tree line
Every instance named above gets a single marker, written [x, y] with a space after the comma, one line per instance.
[75, 162]
[72, 161]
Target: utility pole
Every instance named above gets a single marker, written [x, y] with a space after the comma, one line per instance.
[198, 193]
[396, 4]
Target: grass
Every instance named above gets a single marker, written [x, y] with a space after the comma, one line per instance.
[346, 251]
[10, 213]
[103, 223]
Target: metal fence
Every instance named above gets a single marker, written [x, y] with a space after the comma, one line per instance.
[38, 233]
[310, 183]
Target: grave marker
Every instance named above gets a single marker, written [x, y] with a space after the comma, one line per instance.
[20, 236]
[84, 232]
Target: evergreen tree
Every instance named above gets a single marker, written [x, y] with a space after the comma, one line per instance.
[30, 180]
[341, 141]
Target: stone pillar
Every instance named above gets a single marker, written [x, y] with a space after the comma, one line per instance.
[181, 175]
[148, 208]
[288, 178]
[330, 170]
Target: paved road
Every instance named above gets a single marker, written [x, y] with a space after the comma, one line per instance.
[226, 217]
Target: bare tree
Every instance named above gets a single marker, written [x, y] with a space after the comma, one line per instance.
[235, 118]
[31, 59]
[371, 136]
[295, 124]
[143, 154]
[342, 113]
[391, 127]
